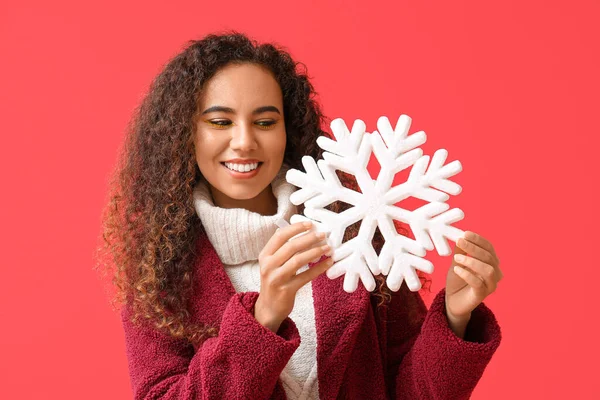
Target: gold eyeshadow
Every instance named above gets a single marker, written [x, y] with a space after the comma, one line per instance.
[227, 124]
[267, 127]
[218, 126]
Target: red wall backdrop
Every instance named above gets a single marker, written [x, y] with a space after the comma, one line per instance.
[508, 88]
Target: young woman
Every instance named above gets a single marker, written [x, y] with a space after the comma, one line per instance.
[218, 302]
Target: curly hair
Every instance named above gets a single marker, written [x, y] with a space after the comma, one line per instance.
[150, 226]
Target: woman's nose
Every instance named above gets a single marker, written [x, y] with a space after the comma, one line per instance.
[243, 138]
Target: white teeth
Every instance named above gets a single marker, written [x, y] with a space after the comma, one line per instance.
[241, 167]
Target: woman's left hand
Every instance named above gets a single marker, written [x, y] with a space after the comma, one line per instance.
[474, 275]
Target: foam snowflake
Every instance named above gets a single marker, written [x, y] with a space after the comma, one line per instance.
[375, 204]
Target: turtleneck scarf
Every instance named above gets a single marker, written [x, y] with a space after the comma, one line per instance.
[238, 236]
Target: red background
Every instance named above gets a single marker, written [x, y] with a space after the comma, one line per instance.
[508, 88]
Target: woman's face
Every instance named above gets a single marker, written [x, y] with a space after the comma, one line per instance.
[240, 134]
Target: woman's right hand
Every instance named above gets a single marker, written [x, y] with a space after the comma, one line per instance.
[279, 262]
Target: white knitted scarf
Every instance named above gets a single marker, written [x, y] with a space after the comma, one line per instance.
[238, 236]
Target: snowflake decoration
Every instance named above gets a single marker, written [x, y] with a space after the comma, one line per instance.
[375, 205]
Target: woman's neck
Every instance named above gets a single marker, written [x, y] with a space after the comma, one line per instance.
[264, 204]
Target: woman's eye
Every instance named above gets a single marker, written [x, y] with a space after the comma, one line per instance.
[224, 123]
[219, 123]
[266, 124]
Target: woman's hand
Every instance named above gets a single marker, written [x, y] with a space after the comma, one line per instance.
[474, 275]
[279, 262]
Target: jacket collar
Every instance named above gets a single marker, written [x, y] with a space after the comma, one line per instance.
[338, 315]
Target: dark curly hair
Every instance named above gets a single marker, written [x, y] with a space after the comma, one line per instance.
[150, 226]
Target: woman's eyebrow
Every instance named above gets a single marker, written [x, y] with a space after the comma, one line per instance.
[230, 110]
[266, 109]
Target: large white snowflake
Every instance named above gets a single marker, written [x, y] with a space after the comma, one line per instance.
[376, 206]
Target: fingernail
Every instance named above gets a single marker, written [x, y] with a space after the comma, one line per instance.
[459, 257]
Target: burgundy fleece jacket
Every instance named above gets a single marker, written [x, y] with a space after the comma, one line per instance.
[402, 351]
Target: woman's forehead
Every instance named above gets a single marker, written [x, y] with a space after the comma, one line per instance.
[241, 87]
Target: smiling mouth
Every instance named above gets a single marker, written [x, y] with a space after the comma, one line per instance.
[243, 172]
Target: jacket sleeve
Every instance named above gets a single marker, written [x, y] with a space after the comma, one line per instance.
[243, 362]
[426, 360]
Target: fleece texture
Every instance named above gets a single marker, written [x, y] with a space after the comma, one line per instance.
[402, 351]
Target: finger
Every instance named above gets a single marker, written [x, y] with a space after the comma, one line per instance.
[481, 242]
[300, 259]
[303, 278]
[476, 283]
[291, 247]
[475, 251]
[282, 235]
[315, 246]
[482, 270]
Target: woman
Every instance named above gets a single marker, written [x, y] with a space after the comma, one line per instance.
[220, 304]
